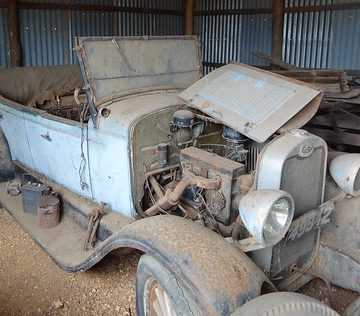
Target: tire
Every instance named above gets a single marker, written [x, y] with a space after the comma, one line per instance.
[7, 167]
[284, 304]
[152, 279]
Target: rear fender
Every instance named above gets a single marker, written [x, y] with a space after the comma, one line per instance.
[216, 274]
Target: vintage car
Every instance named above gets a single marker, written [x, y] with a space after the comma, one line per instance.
[211, 178]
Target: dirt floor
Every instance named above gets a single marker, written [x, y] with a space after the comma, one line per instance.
[31, 284]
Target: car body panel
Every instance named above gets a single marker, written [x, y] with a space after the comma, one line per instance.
[114, 66]
[254, 102]
[47, 144]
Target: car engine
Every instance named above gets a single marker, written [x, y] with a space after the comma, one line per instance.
[202, 170]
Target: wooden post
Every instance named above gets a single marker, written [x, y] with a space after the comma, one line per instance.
[13, 32]
[278, 7]
[189, 14]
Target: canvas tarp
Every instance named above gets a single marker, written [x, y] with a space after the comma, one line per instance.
[33, 86]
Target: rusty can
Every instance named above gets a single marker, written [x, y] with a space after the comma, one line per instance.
[48, 211]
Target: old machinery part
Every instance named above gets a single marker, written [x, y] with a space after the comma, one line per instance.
[205, 163]
[48, 211]
[13, 188]
[267, 214]
[94, 222]
[172, 197]
[76, 96]
[253, 153]
[105, 112]
[345, 170]
[196, 129]
[162, 154]
[234, 145]
[231, 135]
[30, 193]
[156, 187]
[180, 127]
[294, 162]
[183, 119]
[243, 185]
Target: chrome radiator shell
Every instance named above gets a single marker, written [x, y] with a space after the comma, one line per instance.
[295, 162]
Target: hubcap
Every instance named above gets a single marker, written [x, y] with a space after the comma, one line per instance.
[156, 301]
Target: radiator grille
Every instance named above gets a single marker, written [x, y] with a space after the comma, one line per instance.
[303, 178]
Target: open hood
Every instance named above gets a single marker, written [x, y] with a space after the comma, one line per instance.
[114, 66]
[252, 101]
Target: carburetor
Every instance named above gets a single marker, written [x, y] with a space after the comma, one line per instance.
[210, 165]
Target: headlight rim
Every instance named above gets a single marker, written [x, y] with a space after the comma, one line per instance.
[255, 208]
[290, 214]
[345, 169]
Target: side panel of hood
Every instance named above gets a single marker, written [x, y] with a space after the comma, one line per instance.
[252, 101]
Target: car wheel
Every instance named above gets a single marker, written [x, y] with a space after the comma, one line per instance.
[159, 293]
[284, 304]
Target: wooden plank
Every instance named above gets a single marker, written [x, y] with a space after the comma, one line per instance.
[13, 32]
[275, 61]
[189, 16]
[318, 8]
[277, 28]
[335, 137]
[91, 7]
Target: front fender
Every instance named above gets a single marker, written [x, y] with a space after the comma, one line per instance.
[339, 254]
[216, 274]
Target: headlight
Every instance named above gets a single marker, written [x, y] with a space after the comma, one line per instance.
[345, 170]
[267, 214]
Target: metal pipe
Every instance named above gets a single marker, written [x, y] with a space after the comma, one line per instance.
[155, 185]
[172, 197]
[161, 170]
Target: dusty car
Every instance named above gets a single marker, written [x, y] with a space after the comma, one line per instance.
[210, 177]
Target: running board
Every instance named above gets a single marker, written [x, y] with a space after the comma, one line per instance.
[65, 242]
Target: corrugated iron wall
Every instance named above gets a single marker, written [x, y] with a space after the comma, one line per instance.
[325, 39]
[47, 36]
[233, 37]
[4, 45]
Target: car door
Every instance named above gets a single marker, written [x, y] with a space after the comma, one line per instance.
[12, 123]
[58, 148]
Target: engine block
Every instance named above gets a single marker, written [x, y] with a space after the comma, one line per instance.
[210, 165]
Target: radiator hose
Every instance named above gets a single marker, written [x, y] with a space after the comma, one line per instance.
[172, 197]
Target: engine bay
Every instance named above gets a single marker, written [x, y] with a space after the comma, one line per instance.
[193, 166]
